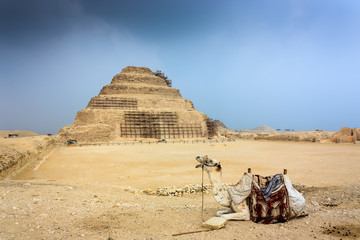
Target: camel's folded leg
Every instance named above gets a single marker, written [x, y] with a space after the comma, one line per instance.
[240, 216]
[222, 212]
[302, 214]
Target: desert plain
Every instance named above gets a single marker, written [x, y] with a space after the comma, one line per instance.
[100, 191]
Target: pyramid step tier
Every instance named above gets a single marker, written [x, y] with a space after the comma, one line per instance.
[122, 89]
[145, 102]
[138, 79]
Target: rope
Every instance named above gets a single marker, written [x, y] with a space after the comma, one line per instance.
[202, 192]
[202, 186]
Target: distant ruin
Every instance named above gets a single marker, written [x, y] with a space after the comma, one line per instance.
[347, 135]
[138, 104]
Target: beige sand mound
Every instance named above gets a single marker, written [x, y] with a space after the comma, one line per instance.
[4, 134]
[264, 128]
[16, 152]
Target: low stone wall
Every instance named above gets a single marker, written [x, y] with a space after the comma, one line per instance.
[311, 136]
[191, 189]
[175, 191]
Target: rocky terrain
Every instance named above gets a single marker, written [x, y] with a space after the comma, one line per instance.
[47, 210]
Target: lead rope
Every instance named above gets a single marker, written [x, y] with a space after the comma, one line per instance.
[202, 189]
[202, 192]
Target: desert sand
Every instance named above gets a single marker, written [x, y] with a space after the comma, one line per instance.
[146, 165]
[88, 192]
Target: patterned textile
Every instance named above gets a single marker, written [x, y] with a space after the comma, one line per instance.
[272, 186]
[276, 209]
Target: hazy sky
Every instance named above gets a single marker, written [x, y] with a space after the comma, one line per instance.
[284, 63]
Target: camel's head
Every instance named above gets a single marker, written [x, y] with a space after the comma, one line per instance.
[209, 164]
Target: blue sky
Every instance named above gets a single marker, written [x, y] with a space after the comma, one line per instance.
[283, 63]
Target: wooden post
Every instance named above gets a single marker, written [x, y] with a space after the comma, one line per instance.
[249, 170]
[285, 171]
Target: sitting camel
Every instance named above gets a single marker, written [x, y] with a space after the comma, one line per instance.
[237, 199]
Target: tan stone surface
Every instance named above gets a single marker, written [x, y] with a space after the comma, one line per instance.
[215, 223]
[89, 133]
[346, 135]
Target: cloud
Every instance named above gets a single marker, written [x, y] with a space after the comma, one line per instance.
[24, 21]
[55, 75]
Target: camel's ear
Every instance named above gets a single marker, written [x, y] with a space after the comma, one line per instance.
[197, 166]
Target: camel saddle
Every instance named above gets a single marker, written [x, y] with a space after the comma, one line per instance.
[271, 199]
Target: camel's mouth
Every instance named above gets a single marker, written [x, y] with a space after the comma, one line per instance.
[218, 169]
[200, 160]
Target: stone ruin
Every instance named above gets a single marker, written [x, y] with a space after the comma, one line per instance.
[138, 104]
[347, 135]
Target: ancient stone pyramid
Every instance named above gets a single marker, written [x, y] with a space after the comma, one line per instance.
[138, 104]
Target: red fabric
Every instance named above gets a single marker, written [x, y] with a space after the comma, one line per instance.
[277, 209]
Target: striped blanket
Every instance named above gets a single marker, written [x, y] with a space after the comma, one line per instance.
[269, 199]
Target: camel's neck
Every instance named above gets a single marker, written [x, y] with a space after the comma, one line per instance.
[220, 193]
[215, 179]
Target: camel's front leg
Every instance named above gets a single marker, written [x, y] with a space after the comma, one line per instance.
[241, 211]
[230, 214]
[222, 212]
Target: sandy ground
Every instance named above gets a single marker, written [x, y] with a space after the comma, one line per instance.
[80, 192]
[152, 165]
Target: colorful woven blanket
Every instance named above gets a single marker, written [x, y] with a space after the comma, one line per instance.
[269, 200]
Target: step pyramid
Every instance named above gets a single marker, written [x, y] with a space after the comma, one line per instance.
[138, 104]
